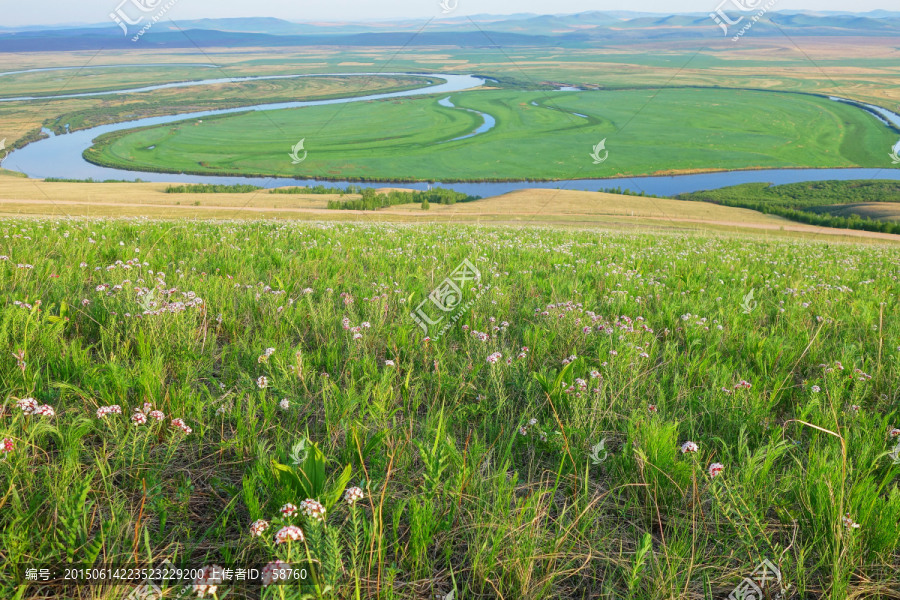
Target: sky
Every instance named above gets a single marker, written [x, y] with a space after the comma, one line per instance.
[48, 12]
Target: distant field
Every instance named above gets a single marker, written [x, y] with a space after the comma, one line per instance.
[538, 135]
[21, 121]
[826, 203]
[863, 69]
[77, 80]
[882, 211]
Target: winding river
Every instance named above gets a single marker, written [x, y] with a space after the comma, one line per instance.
[487, 121]
[60, 156]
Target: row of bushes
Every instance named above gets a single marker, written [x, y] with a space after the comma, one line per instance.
[209, 188]
[371, 200]
[320, 189]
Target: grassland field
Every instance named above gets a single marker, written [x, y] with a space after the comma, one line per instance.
[475, 453]
[23, 120]
[537, 136]
[861, 69]
[638, 398]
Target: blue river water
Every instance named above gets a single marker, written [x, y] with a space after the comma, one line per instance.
[488, 122]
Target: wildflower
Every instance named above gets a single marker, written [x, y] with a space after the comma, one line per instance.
[208, 580]
[20, 357]
[258, 527]
[289, 533]
[689, 447]
[849, 523]
[275, 571]
[353, 495]
[107, 410]
[288, 510]
[894, 432]
[313, 509]
[716, 469]
[493, 358]
[284, 404]
[6, 447]
[28, 405]
[180, 424]
[157, 414]
[816, 389]
[855, 408]
[651, 408]
[138, 419]
[262, 383]
[389, 363]
[523, 430]
[270, 352]
[147, 407]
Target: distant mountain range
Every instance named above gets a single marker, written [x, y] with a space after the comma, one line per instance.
[575, 30]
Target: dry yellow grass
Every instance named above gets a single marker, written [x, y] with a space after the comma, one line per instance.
[598, 209]
[535, 204]
[21, 197]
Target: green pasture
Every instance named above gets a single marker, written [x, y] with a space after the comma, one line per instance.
[538, 135]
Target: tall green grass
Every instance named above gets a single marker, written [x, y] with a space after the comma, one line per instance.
[477, 476]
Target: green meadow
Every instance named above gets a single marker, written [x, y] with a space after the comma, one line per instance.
[628, 415]
[538, 135]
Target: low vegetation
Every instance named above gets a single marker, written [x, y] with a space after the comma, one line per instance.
[209, 188]
[370, 200]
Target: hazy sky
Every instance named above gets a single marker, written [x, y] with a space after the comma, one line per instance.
[42, 12]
